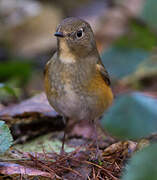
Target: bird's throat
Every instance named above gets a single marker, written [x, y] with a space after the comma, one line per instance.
[65, 55]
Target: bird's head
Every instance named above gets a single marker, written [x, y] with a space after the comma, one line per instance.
[75, 36]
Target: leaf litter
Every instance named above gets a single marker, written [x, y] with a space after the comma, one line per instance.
[78, 164]
[39, 159]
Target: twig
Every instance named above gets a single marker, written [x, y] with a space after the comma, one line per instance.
[107, 171]
[69, 169]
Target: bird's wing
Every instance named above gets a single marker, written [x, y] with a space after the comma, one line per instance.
[103, 72]
[46, 67]
[48, 63]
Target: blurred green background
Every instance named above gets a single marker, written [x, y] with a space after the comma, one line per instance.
[27, 41]
[126, 36]
[126, 40]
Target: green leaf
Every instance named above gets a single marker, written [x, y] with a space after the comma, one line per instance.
[122, 61]
[149, 13]
[43, 142]
[132, 116]
[5, 137]
[142, 166]
[8, 89]
[139, 36]
[15, 69]
[146, 69]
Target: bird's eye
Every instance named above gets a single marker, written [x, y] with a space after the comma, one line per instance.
[79, 33]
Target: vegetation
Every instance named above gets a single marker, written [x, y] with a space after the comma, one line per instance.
[127, 41]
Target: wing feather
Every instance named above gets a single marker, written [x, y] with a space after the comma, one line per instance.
[103, 72]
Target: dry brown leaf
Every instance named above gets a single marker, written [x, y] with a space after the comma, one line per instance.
[35, 106]
[31, 118]
[12, 168]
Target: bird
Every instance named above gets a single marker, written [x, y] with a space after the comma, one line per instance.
[77, 84]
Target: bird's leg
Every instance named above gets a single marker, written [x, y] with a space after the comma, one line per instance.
[63, 142]
[64, 136]
[96, 140]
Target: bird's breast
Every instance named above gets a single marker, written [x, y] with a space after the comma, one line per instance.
[76, 93]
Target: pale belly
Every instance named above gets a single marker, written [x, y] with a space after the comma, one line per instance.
[75, 106]
[69, 96]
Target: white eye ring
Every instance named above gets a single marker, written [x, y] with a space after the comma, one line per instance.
[79, 33]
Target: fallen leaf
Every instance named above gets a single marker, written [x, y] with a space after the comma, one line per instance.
[12, 168]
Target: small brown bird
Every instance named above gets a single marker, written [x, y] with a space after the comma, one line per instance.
[76, 83]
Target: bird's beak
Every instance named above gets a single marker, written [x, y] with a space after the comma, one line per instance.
[59, 34]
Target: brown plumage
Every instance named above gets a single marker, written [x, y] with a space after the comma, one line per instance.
[76, 83]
